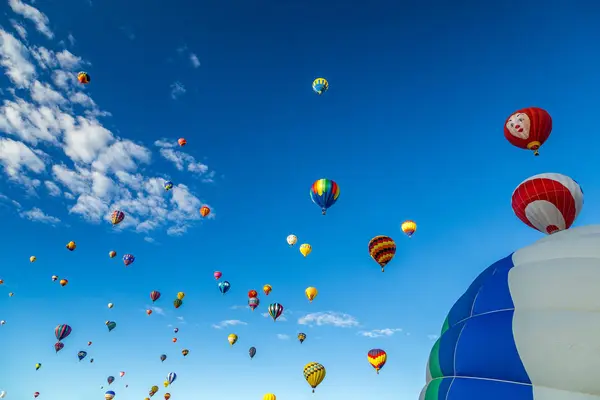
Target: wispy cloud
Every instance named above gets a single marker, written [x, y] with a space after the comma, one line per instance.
[282, 336]
[39, 19]
[281, 317]
[177, 90]
[229, 322]
[238, 307]
[183, 161]
[149, 239]
[195, 61]
[338, 319]
[375, 333]
[181, 320]
[37, 215]
[158, 310]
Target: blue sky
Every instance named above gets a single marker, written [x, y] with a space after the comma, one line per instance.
[411, 128]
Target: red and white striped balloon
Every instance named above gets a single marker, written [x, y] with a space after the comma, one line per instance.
[548, 202]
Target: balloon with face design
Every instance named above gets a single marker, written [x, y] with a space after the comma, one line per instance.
[528, 128]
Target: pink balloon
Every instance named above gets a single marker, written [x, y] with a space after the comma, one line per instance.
[218, 274]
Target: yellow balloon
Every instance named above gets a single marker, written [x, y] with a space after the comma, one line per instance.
[180, 295]
[232, 338]
[311, 293]
[269, 396]
[166, 383]
[305, 249]
[409, 228]
[32, 258]
[314, 373]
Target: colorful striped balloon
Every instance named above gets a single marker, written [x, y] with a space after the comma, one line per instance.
[62, 331]
[324, 193]
[382, 249]
[377, 358]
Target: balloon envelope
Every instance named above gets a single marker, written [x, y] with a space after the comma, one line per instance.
[524, 327]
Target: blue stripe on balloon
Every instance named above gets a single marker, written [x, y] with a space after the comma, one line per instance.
[480, 389]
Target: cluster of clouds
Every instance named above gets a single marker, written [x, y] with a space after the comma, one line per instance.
[53, 143]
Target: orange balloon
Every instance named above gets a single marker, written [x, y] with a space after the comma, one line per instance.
[174, 339]
[182, 142]
[63, 282]
[204, 211]
[148, 312]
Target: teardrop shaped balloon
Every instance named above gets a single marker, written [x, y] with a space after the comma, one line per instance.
[382, 249]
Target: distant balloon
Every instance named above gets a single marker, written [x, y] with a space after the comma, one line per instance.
[292, 240]
[224, 287]
[409, 228]
[84, 79]
[122, 374]
[58, 346]
[275, 310]
[217, 275]
[204, 211]
[109, 395]
[269, 396]
[182, 142]
[63, 282]
[314, 373]
[253, 302]
[111, 325]
[311, 293]
[71, 246]
[320, 86]
[252, 352]
[112, 254]
[252, 293]
[185, 352]
[36, 394]
[305, 249]
[267, 289]
[54, 278]
[181, 295]
[528, 128]
[171, 377]
[177, 303]
[117, 217]
[38, 366]
[163, 357]
[148, 311]
[168, 185]
[324, 193]
[110, 379]
[128, 259]
[382, 249]
[110, 305]
[62, 332]
[154, 295]
[32, 258]
[377, 358]
[81, 355]
[232, 338]
[175, 330]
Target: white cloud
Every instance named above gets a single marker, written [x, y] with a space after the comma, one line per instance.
[195, 61]
[157, 310]
[7, 199]
[238, 307]
[281, 317]
[433, 337]
[19, 28]
[177, 90]
[149, 239]
[183, 161]
[94, 170]
[181, 320]
[71, 39]
[37, 215]
[14, 57]
[329, 318]
[375, 333]
[40, 19]
[282, 336]
[229, 322]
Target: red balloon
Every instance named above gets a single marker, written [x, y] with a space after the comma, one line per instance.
[252, 294]
[528, 128]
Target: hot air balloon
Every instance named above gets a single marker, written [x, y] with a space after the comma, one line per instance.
[89, 343]
[81, 355]
[148, 311]
[128, 259]
[166, 383]
[110, 305]
[111, 325]
[174, 340]
[122, 374]
[301, 337]
[180, 295]
[548, 202]
[110, 379]
[182, 142]
[204, 211]
[275, 311]
[32, 259]
[11, 294]
[91, 360]
[117, 217]
[171, 377]
[168, 185]
[528, 128]
[409, 228]
[305, 249]
[154, 389]
[2, 394]
[252, 293]
[58, 346]
[324, 193]
[54, 278]
[167, 396]
[217, 275]
[177, 303]
[154, 295]
[314, 373]
[3, 322]
[36, 394]
[267, 289]
[163, 357]
[252, 352]
[311, 293]
[269, 396]
[320, 86]
[185, 352]
[71, 246]
[525, 326]
[175, 330]
[382, 249]
[112, 254]
[253, 302]
[38, 366]
[63, 282]
[84, 79]
[1, 281]
[224, 287]
[377, 358]
[62, 332]
[109, 395]
[292, 240]
[232, 338]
